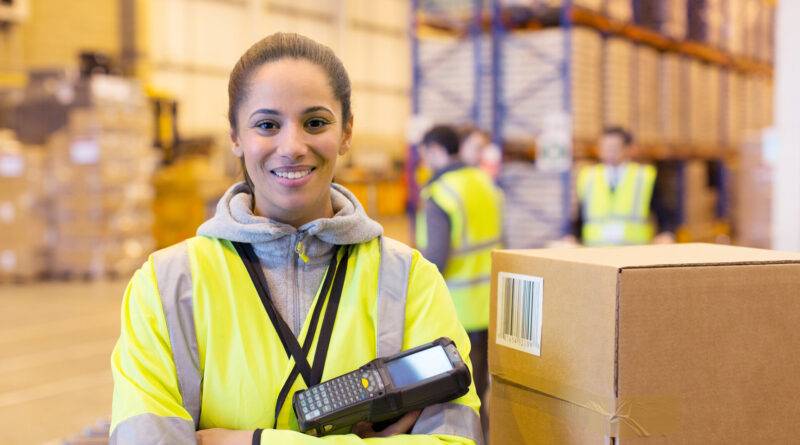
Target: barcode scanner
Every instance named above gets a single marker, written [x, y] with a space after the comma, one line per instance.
[384, 389]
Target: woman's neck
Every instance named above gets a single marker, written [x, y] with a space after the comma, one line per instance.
[294, 217]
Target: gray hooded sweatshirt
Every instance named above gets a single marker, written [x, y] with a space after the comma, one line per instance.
[294, 260]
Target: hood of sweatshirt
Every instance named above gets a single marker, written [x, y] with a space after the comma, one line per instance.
[234, 220]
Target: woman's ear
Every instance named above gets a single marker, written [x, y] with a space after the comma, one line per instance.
[347, 137]
[235, 147]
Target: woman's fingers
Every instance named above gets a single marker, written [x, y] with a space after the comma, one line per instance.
[402, 426]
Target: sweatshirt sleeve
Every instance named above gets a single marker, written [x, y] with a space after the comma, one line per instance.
[147, 402]
[430, 314]
[437, 223]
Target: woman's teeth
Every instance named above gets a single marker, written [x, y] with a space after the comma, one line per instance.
[292, 175]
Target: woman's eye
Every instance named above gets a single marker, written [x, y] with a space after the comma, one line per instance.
[267, 125]
[316, 123]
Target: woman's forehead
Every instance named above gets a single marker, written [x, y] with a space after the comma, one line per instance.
[290, 85]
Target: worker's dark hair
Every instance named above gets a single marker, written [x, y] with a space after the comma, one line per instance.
[625, 135]
[445, 136]
[281, 46]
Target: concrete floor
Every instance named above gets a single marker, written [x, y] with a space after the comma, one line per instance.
[55, 344]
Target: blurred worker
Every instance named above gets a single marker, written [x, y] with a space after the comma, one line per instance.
[457, 227]
[616, 198]
[477, 150]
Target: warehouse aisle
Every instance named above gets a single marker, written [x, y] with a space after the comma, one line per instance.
[55, 344]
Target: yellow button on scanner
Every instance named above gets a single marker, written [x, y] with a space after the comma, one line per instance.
[364, 383]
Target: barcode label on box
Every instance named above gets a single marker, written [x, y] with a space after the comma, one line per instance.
[519, 312]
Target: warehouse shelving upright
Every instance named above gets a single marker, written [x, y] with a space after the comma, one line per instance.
[449, 69]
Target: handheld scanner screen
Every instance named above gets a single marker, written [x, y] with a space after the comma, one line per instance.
[419, 366]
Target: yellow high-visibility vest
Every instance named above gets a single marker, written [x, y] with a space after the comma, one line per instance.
[473, 204]
[620, 216]
[197, 349]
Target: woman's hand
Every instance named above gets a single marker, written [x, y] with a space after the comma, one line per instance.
[402, 426]
[221, 436]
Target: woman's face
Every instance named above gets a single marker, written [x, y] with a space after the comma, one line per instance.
[290, 133]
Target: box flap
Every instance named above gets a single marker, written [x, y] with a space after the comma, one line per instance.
[664, 255]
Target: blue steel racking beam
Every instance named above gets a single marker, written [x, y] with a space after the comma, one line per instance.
[472, 106]
[504, 107]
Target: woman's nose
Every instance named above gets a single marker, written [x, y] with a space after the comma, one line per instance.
[292, 145]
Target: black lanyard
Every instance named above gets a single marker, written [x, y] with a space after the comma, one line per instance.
[333, 277]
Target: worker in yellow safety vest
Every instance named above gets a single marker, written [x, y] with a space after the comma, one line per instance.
[616, 198]
[289, 284]
[457, 227]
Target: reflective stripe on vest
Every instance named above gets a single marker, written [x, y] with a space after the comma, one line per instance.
[392, 289]
[620, 216]
[173, 273]
[174, 281]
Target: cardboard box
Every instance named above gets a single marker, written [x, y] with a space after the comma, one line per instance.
[689, 343]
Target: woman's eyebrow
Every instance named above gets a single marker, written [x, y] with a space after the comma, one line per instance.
[266, 111]
[317, 108]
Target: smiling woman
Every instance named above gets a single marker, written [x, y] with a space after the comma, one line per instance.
[289, 284]
[289, 139]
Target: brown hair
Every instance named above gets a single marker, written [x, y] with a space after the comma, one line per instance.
[280, 46]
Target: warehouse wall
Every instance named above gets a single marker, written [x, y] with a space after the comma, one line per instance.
[53, 34]
[48, 37]
[194, 44]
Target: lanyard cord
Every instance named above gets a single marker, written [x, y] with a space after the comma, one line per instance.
[334, 276]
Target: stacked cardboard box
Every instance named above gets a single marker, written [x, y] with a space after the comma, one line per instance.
[733, 108]
[686, 343]
[705, 20]
[621, 10]
[665, 16]
[759, 22]
[618, 72]
[704, 111]
[758, 99]
[646, 117]
[23, 228]
[102, 166]
[534, 85]
[733, 28]
[672, 101]
[450, 81]
[699, 203]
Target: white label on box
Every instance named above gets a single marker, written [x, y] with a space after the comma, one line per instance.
[8, 260]
[11, 166]
[7, 212]
[519, 312]
[84, 151]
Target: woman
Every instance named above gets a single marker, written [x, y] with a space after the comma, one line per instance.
[289, 284]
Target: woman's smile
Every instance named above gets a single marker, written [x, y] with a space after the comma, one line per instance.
[293, 176]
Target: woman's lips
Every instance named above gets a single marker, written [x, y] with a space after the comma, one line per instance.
[293, 176]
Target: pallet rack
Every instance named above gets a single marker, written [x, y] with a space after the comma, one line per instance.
[495, 29]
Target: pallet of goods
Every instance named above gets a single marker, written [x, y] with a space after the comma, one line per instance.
[102, 193]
